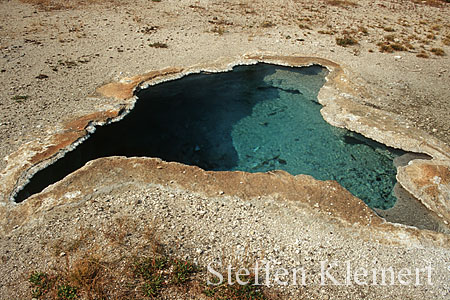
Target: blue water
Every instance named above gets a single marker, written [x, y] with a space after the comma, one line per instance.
[255, 119]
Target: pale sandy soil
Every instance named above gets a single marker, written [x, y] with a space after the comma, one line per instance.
[83, 47]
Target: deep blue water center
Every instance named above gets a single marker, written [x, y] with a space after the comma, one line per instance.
[256, 118]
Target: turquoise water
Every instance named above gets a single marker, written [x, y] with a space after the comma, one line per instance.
[286, 131]
[255, 119]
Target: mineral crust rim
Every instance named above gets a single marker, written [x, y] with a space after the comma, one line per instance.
[340, 98]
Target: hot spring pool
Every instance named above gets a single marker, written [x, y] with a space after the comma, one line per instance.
[256, 118]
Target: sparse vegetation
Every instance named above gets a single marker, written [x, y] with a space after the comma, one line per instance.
[50, 5]
[40, 283]
[149, 29]
[438, 51]
[341, 3]
[346, 41]
[20, 98]
[148, 275]
[392, 44]
[363, 30]
[436, 27]
[435, 3]
[385, 47]
[182, 270]
[220, 30]
[92, 278]
[236, 291]
[159, 45]
[446, 40]
[326, 32]
[67, 292]
[304, 26]
[389, 38]
[67, 63]
[398, 47]
[141, 278]
[267, 24]
[423, 54]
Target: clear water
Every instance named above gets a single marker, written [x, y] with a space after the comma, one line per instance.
[255, 119]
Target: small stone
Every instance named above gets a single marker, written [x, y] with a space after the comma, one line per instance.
[221, 192]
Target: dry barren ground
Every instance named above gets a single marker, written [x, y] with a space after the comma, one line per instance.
[54, 54]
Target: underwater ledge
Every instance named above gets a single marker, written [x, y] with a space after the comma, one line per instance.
[337, 97]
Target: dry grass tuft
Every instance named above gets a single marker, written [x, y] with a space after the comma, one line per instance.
[220, 30]
[341, 3]
[267, 24]
[423, 54]
[49, 5]
[346, 41]
[438, 51]
[118, 265]
[329, 32]
[434, 3]
[446, 40]
[398, 47]
[387, 47]
[159, 45]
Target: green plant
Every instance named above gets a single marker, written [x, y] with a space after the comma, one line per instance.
[147, 267]
[161, 262]
[67, 292]
[236, 291]
[153, 286]
[182, 270]
[40, 283]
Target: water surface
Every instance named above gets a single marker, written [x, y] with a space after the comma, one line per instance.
[255, 119]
